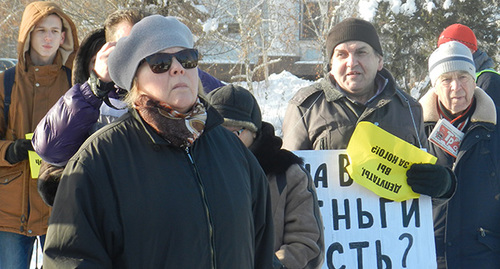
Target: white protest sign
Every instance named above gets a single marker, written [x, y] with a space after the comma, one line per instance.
[363, 230]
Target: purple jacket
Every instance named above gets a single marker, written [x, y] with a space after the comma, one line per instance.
[70, 121]
[209, 83]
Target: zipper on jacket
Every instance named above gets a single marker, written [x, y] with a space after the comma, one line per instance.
[412, 118]
[23, 221]
[207, 210]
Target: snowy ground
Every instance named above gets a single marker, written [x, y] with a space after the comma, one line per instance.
[272, 99]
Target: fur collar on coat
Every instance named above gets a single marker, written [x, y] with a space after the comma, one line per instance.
[485, 108]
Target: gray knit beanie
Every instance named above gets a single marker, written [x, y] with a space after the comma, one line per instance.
[352, 29]
[450, 56]
[238, 107]
[150, 35]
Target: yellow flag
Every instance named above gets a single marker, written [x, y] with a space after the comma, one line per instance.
[34, 159]
[379, 161]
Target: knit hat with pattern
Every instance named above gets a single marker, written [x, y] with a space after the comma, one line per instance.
[450, 56]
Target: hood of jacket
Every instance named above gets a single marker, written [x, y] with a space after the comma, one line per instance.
[485, 108]
[482, 60]
[267, 150]
[33, 13]
[89, 47]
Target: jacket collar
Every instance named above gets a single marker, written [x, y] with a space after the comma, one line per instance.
[482, 60]
[333, 94]
[485, 108]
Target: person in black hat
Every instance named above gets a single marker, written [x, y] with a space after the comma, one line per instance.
[358, 88]
[298, 226]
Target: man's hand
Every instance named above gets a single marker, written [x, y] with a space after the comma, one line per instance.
[18, 151]
[101, 62]
[433, 180]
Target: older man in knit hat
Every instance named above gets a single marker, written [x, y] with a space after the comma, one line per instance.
[486, 77]
[358, 88]
[467, 226]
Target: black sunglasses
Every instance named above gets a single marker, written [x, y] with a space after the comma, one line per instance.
[161, 62]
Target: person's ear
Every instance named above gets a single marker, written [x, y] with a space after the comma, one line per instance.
[380, 62]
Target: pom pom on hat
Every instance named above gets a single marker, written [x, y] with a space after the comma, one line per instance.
[449, 57]
[461, 33]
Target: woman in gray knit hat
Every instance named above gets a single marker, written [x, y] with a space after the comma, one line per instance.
[153, 190]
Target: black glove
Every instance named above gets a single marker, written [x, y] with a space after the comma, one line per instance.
[430, 179]
[101, 89]
[18, 151]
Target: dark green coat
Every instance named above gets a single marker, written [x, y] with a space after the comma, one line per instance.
[128, 199]
[321, 117]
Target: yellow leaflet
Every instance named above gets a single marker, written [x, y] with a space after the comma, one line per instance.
[379, 161]
[35, 160]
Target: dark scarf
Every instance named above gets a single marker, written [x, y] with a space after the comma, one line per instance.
[178, 128]
[267, 150]
[460, 121]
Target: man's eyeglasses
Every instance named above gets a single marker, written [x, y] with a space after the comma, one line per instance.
[238, 132]
[161, 62]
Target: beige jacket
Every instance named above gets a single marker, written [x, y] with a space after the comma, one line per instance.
[298, 225]
[36, 89]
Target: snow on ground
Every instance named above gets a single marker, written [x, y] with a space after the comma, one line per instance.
[273, 98]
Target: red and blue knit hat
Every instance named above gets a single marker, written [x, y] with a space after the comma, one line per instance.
[449, 57]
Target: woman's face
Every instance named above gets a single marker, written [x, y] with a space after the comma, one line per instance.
[246, 136]
[178, 87]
